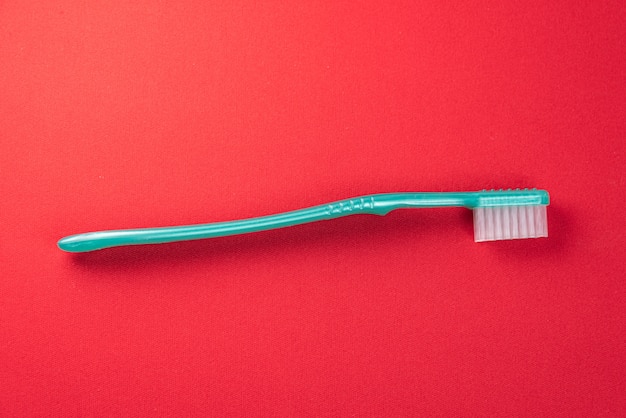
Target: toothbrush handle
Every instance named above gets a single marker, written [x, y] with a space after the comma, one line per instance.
[380, 204]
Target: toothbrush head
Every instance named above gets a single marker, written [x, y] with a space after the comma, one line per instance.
[511, 214]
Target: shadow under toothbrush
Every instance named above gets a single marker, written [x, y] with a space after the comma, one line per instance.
[402, 225]
[409, 226]
[561, 234]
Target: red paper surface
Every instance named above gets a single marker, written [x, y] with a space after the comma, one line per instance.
[134, 114]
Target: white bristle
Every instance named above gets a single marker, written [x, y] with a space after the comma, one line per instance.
[510, 222]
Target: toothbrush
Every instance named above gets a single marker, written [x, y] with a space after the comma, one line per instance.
[498, 215]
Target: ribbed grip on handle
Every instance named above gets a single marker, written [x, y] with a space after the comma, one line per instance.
[349, 206]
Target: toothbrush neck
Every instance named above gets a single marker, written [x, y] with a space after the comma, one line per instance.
[384, 203]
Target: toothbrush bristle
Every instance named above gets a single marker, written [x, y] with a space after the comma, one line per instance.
[510, 222]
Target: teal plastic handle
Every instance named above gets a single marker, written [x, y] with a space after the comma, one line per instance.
[377, 204]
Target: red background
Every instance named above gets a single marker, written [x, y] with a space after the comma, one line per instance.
[129, 114]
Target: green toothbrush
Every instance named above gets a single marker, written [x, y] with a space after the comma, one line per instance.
[498, 214]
